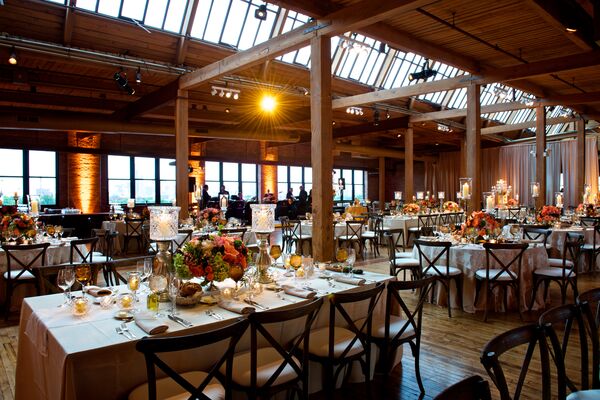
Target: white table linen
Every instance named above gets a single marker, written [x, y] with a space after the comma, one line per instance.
[557, 242]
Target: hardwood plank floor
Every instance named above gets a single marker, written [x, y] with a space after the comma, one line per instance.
[450, 351]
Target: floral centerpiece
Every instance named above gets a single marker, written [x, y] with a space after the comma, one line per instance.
[548, 215]
[451, 206]
[210, 216]
[211, 259]
[480, 224]
[18, 225]
[512, 202]
[411, 208]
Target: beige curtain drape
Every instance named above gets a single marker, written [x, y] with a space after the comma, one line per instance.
[517, 167]
[591, 163]
[568, 154]
[448, 173]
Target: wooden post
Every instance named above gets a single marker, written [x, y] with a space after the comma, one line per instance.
[381, 183]
[540, 149]
[580, 167]
[463, 159]
[473, 145]
[321, 149]
[181, 152]
[408, 165]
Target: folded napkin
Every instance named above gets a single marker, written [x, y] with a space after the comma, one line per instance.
[98, 291]
[236, 307]
[149, 324]
[294, 291]
[349, 280]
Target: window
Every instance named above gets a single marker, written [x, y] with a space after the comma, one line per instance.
[354, 185]
[144, 179]
[28, 172]
[235, 176]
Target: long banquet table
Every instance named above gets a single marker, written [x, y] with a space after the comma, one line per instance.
[65, 357]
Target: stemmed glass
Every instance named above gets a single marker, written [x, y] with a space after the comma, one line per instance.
[236, 272]
[286, 264]
[350, 260]
[59, 231]
[295, 262]
[275, 252]
[133, 283]
[83, 275]
[174, 287]
[157, 284]
[144, 268]
[64, 280]
[341, 255]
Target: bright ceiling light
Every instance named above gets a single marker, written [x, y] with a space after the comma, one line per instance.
[12, 59]
[268, 103]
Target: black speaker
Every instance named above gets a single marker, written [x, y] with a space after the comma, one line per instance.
[191, 184]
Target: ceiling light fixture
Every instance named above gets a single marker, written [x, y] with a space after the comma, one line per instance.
[121, 78]
[376, 117]
[261, 12]
[382, 48]
[425, 73]
[444, 128]
[12, 59]
[227, 110]
[268, 103]
[225, 92]
[138, 76]
[354, 111]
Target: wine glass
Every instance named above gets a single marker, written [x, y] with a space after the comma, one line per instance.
[341, 255]
[133, 283]
[59, 231]
[275, 252]
[157, 284]
[144, 268]
[64, 280]
[236, 272]
[50, 231]
[83, 275]
[296, 262]
[286, 264]
[350, 260]
[174, 286]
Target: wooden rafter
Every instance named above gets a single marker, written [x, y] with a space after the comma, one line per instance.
[523, 125]
[182, 44]
[69, 22]
[149, 102]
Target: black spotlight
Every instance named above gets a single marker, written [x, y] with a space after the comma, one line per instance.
[138, 76]
[376, 117]
[261, 12]
[121, 80]
[425, 73]
[12, 58]
[382, 48]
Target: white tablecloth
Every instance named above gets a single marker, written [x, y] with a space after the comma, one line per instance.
[470, 258]
[65, 357]
[400, 222]
[557, 242]
[340, 228]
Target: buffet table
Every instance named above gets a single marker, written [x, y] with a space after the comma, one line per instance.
[61, 356]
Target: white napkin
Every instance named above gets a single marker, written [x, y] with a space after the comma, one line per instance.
[149, 324]
[294, 291]
[98, 291]
[236, 307]
[349, 280]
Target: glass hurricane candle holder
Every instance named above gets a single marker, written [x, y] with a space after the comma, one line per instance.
[466, 188]
[535, 189]
[397, 195]
[263, 223]
[420, 195]
[559, 199]
[163, 223]
[489, 201]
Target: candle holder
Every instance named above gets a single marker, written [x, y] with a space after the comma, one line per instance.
[16, 199]
[163, 229]
[420, 195]
[263, 223]
[587, 194]
[535, 192]
[489, 201]
[559, 200]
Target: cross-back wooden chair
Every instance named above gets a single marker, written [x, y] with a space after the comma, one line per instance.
[286, 233]
[561, 270]
[133, 231]
[589, 303]
[424, 222]
[337, 346]
[299, 238]
[537, 234]
[82, 250]
[354, 231]
[437, 263]
[21, 268]
[588, 221]
[502, 274]
[399, 262]
[194, 384]
[471, 388]
[394, 331]
[530, 335]
[592, 250]
[235, 232]
[514, 215]
[184, 236]
[373, 235]
[276, 366]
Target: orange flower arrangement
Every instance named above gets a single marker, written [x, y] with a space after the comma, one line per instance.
[18, 224]
[548, 214]
[512, 202]
[480, 223]
[451, 206]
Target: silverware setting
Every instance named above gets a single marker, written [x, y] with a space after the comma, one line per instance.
[125, 328]
[121, 332]
[213, 314]
[180, 320]
[282, 297]
[255, 304]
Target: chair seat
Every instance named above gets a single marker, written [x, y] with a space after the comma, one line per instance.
[304, 237]
[396, 323]
[98, 256]
[348, 237]
[452, 271]
[558, 262]
[593, 394]
[414, 229]
[404, 254]
[554, 272]
[504, 276]
[13, 275]
[370, 235]
[319, 342]
[590, 247]
[168, 389]
[268, 360]
[406, 262]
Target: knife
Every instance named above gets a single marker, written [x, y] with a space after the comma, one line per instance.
[180, 321]
[253, 303]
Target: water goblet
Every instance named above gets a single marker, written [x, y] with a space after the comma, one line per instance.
[83, 275]
[133, 283]
[286, 264]
[275, 253]
[64, 280]
[59, 231]
[174, 286]
[341, 255]
[236, 272]
[350, 260]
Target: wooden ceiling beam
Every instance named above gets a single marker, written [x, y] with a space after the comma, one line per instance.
[80, 102]
[462, 112]
[69, 22]
[350, 18]
[523, 125]
[148, 103]
[182, 43]
[377, 152]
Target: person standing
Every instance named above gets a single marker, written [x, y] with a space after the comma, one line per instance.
[205, 196]
[290, 194]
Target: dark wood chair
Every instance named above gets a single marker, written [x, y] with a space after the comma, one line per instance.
[537, 234]
[424, 221]
[299, 238]
[178, 242]
[339, 345]
[589, 303]
[273, 367]
[531, 336]
[562, 271]
[506, 273]
[286, 234]
[234, 232]
[592, 250]
[471, 388]
[133, 231]
[353, 235]
[432, 265]
[77, 254]
[198, 384]
[399, 262]
[373, 235]
[22, 262]
[394, 331]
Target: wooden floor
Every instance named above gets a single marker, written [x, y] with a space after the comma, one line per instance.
[450, 351]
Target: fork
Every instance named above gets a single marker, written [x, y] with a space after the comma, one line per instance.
[280, 296]
[125, 328]
[213, 314]
[121, 332]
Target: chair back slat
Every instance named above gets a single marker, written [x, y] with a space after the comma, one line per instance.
[497, 252]
[18, 254]
[76, 255]
[589, 302]
[133, 226]
[178, 242]
[430, 264]
[354, 229]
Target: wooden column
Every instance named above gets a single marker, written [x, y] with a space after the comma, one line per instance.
[381, 183]
[473, 145]
[321, 149]
[181, 152]
[463, 159]
[540, 148]
[580, 168]
[408, 165]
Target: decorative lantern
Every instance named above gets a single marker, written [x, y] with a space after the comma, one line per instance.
[489, 201]
[466, 188]
[164, 223]
[535, 190]
[559, 199]
[263, 223]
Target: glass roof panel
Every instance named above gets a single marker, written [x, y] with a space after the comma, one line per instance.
[133, 9]
[174, 20]
[155, 15]
[109, 7]
[87, 4]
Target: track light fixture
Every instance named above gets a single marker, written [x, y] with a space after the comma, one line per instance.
[225, 92]
[354, 111]
[261, 12]
[121, 79]
[425, 73]
[138, 76]
[382, 48]
[12, 59]
[376, 117]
